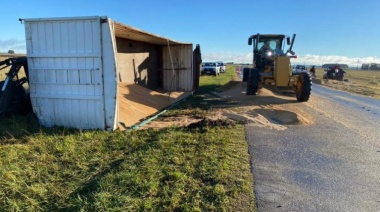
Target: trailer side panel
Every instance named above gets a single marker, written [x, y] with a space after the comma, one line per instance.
[66, 72]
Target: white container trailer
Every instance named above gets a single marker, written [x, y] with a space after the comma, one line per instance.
[95, 73]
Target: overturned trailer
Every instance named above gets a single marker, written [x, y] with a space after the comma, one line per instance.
[96, 73]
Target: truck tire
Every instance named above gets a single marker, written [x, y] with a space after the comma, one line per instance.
[17, 100]
[303, 87]
[245, 74]
[253, 82]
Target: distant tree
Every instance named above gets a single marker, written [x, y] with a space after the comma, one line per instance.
[365, 66]
[370, 66]
[11, 52]
[373, 66]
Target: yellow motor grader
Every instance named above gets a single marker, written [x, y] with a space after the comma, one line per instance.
[271, 66]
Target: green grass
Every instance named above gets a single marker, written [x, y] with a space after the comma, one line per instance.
[197, 105]
[211, 83]
[174, 169]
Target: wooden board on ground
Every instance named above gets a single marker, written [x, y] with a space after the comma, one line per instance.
[137, 103]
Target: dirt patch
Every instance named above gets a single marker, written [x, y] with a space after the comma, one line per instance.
[280, 116]
[205, 123]
[249, 116]
[351, 86]
[176, 121]
[234, 81]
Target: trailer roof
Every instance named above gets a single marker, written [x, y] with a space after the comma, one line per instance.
[121, 30]
[132, 33]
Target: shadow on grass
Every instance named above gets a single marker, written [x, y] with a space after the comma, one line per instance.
[16, 129]
[88, 190]
[207, 88]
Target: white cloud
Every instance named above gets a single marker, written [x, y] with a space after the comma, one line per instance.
[307, 59]
[319, 60]
[18, 46]
[228, 57]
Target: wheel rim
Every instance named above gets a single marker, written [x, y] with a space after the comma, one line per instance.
[299, 85]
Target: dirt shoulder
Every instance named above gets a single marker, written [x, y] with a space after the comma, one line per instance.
[364, 82]
[354, 86]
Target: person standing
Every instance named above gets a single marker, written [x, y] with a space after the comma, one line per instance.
[312, 71]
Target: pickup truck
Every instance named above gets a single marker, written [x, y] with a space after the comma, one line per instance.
[299, 69]
[210, 68]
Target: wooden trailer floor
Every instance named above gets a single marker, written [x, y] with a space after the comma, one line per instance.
[137, 103]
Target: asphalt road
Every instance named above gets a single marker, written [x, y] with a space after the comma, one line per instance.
[332, 164]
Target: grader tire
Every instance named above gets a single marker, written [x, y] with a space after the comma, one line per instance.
[245, 74]
[16, 101]
[253, 82]
[303, 87]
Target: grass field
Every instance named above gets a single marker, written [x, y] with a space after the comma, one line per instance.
[359, 81]
[174, 169]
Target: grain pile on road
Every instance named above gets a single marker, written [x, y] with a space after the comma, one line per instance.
[267, 109]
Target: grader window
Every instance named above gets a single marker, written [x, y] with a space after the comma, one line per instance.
[272, 43]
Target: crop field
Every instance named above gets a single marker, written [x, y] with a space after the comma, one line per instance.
[357, 81]
[3, 71]
[199, 168]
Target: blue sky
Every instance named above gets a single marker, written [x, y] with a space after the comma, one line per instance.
[346, 31]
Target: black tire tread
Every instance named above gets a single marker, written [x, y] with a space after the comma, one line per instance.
[304, 94]
[253, 82]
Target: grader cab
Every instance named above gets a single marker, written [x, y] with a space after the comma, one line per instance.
[271, 66]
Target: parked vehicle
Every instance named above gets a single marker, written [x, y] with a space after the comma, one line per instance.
[299, 69]
[211, 68]
[222, 67]
[335, 73]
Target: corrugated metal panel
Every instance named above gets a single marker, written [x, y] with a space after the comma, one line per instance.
[177, 66]
[65, 66]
